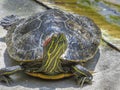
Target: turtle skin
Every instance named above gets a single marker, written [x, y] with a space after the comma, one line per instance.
[26, 39]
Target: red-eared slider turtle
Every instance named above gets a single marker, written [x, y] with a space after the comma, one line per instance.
[51, 45]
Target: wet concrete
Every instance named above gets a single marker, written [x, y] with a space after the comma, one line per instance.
[107, 68]
[21, 8]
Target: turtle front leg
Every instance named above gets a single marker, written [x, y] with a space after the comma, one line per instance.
[5, 72]
[82, 75]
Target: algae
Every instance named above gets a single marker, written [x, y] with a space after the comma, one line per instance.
[115, 19]
[112, 29]
[113, 5]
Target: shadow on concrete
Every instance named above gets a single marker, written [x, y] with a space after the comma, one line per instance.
[91, 64]
[2, 39]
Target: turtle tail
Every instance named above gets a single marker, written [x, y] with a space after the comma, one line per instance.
[10, 22]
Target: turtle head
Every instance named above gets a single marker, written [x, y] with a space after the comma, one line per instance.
[53, 48]
[57, 44]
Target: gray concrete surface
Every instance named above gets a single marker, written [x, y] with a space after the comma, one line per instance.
[107, 67]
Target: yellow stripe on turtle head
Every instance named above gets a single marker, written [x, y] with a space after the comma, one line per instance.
[52, 53]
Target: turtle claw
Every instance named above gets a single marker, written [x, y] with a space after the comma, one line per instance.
[6, 79]
[82, 80]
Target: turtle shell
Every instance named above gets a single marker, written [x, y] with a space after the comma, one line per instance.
[25, 43]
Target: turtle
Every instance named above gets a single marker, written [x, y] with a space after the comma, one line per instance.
[51, 45]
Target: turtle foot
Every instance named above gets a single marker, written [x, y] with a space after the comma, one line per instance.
[6, 72]
[82, 75]
[6, 79]
[10, 22]
[82, 80]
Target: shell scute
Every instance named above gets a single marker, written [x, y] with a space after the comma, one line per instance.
[52, 15]
[27, 40]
